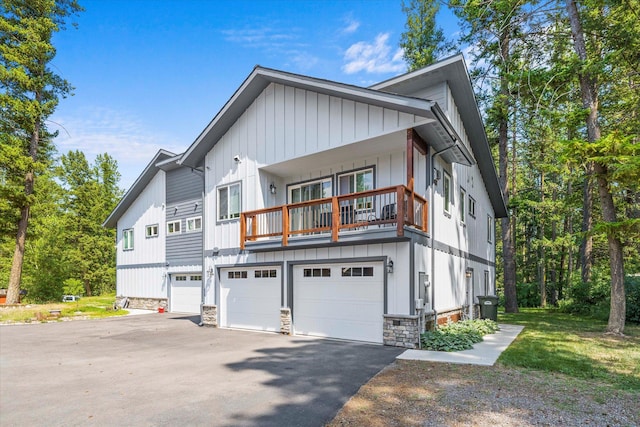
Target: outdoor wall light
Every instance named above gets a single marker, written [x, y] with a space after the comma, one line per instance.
[210, 272]
[272, 188]
[468, 273]
[390, 266]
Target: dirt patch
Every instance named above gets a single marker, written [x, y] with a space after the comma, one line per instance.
[414, 393]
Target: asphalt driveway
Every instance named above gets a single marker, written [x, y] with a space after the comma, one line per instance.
[162, 369]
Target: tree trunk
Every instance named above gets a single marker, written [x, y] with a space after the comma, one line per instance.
[586, 246]
[508, 246]
[15, 277]
[588, 89]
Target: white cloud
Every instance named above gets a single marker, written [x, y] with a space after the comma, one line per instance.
[351, 26]
[122, 136]
[375, 57]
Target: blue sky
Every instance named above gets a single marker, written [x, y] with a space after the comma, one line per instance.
[151, 74]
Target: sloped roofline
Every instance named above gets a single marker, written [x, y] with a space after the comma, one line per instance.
[453, 71]
[261, 77]
[162, 157]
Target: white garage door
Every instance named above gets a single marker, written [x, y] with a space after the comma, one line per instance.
[250, 298]
[339, 301]
[186, 293]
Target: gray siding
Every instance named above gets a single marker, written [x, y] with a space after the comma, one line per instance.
[184, 248]
[183, 184]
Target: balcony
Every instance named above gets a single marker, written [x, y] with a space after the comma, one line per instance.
[333, 216]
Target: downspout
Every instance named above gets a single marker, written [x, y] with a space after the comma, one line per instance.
[433, 238]
[200, 173]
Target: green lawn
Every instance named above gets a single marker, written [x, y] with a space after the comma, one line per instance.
[575, 346]
[91, 307]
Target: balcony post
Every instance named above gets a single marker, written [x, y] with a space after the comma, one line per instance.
[243, 229]
[425, 216]
[335, 219]
[400, 202]
[285, 225]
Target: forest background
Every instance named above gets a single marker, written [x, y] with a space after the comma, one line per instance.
[558, 83]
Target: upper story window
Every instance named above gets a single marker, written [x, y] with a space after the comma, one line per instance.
[355, 182]
[151, 231]
[229, 201]
[173, 227]
[446, 191]
[311, 190]
[472, 207]
[463, 212]
[127, 239]
[489, 229]
[194, 224]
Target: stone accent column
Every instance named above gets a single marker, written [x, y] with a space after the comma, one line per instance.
[285, 321]
[210, 316]
[401, 330]
[143, 303]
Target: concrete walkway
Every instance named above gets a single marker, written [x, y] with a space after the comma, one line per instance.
[483, 353]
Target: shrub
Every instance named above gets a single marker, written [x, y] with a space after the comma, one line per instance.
[458, 336]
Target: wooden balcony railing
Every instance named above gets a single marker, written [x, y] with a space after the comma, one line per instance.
[331, 215]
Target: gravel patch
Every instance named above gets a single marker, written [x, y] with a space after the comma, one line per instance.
[414, 393]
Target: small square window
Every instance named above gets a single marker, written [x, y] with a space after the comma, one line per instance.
[196, 278]
[151, 231]
[173, 227]
[194, 224]
[273, 273]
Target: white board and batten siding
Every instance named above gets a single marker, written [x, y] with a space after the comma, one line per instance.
[147, 209]
[142, 281]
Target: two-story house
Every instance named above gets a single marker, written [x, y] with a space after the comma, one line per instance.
[313, 207]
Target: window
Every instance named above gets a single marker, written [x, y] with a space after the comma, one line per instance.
[472, 207]
[151, 231]
[194, 224]
[229, 202]
[489, 229]
[196, 278]
[264, 274]
[180, 278]
[237, 274]
[487, 284]
[357, 271]
[463, 196]
[354, 182]
[446, 191]
[317, 272]
[127, 239]
[311, 190]
[173, 227]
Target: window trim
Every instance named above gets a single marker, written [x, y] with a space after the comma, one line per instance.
[125, 246]
[472, 202]
[354, 172]
[151, 227]
[446, 192]
[462, 207]
[489, 229]
[193, 218]
[177, 221]
[228, 186]
[299, 184]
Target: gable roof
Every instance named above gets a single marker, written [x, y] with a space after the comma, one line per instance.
[162, 160]
[261, 77]
[453, 71]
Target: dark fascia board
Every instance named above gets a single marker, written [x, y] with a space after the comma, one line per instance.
[454, 72]
[261, 77]
[162, 157]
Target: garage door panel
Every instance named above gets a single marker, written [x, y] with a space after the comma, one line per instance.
[186, 293]
[250, 302]
[337, 306]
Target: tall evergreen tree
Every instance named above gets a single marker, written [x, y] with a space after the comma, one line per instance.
[423, 42]
[30, 93]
